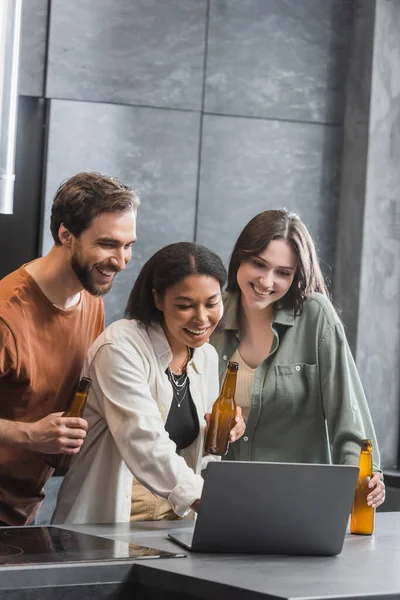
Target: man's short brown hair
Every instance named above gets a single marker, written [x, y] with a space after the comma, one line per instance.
[85, 196]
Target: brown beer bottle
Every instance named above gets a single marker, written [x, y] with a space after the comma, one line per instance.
[75, 409]
[363, 516]
[223, 414]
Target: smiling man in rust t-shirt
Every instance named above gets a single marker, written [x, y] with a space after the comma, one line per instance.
[51, 311]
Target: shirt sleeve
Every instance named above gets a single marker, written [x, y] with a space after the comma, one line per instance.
[8, 350]
[346, 409]
[134, 420]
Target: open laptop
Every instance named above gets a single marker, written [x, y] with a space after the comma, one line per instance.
[272, 508]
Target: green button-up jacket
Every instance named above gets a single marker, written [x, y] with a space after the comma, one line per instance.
[307, 403]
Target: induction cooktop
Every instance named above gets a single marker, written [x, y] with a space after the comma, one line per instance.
[43, 545]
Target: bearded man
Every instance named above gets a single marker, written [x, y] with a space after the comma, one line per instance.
[51, 311]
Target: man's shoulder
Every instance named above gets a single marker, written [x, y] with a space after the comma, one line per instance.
[13, 281]
[15, 291]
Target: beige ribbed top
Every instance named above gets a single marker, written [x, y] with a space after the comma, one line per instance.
[243, 384]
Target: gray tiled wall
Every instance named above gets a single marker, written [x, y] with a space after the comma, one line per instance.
[250, 165]
[33, 47]
[378, 341]
[354, 167]
[155, 151]
[148, 53]
[278, 59]
[368, 282]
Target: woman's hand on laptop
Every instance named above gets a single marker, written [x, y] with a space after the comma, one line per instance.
[378, 493]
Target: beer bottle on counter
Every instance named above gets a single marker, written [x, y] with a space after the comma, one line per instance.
[223, 415]
[75, 409]
[363, 516]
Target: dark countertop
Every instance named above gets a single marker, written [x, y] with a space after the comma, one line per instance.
[368, 567]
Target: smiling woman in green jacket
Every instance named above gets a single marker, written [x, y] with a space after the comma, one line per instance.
[298, 385]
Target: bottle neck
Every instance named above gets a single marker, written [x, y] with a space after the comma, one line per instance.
[229, 385]
[365, 463]
[77, 405]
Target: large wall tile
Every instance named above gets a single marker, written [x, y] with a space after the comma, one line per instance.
[354, 168]
[249, 165]
[278, 58]
[378, 341]
[147, 53]
[153, 150]
[32, 47]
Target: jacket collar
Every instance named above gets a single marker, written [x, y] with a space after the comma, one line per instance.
[163, 351]
[284, 316]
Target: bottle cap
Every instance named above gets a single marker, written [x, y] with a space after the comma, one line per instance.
[84, 385]
[366, 444]
[233, 366]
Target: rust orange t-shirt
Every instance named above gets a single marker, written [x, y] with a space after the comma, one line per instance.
[42, 349]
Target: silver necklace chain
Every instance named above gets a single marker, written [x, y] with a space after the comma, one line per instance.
[178, 387]
[175, 382]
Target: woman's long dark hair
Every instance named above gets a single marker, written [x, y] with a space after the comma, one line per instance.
[280, 225]
[163, 270]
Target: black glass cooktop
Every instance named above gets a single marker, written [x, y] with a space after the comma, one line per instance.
[39, 545]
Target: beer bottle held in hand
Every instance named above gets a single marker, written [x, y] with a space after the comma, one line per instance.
[363, 516]
[223, 415]
[75, 409]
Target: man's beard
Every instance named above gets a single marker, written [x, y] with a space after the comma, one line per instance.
[85, 276]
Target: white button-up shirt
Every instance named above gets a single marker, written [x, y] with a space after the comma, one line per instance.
[127, 408]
